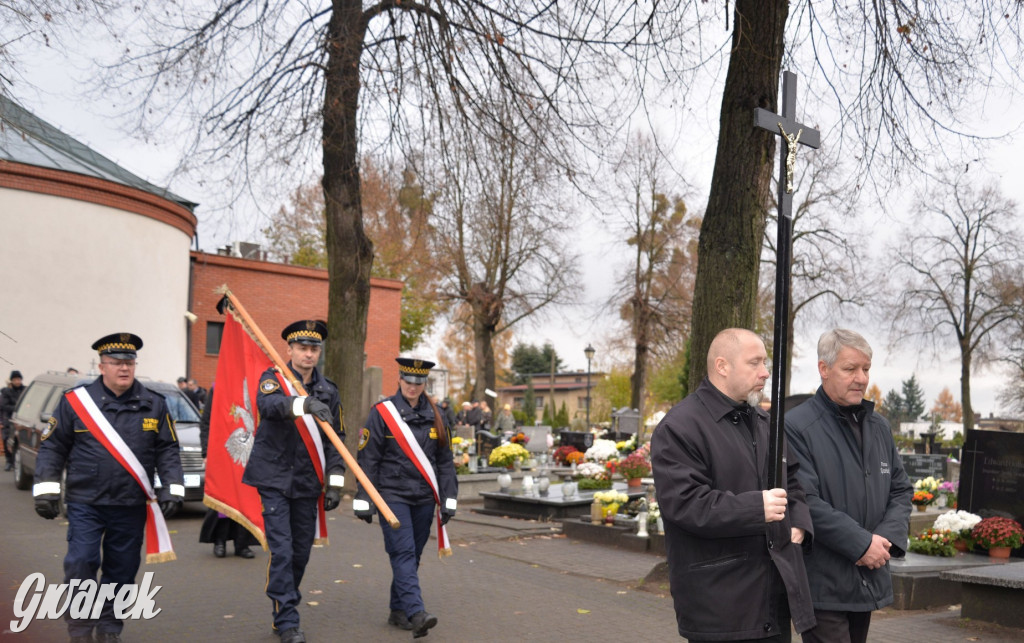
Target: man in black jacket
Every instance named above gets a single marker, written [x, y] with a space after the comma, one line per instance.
[9, 397]
[291, 471]
[734, 546]
[110, 436]
[857, 490]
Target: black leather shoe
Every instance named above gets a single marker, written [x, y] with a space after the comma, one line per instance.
[399, 620]
[244, 552]
[108, 637]
[220, 549]
[421, 622]
[294, 635]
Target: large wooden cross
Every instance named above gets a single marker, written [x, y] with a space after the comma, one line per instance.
[793, 134]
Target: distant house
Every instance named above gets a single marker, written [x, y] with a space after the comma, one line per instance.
[569, 388]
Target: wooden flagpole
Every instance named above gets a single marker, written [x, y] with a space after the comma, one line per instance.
[328, 430]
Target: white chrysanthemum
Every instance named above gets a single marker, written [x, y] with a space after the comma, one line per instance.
[601, 451]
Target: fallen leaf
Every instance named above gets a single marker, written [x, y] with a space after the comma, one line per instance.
[357, 565]
[229, 616]
[582, 611]
[341, 581]
[320, 591]
[621, 592]
[313, 603]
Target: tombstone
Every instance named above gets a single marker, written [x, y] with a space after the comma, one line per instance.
[538, 438]
[920, 465]
[625, 424]
[992, 475]
[582, 440]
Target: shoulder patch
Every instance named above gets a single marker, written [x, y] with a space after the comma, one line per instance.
[150, 424]
[269, 386]
[433, 433]
[51, 424]
[364, 437]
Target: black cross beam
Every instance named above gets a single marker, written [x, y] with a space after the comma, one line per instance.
[793, 134]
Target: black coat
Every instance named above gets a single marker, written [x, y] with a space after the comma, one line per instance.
[279, 458]
[852, 494]
[94, 477]
[709, 471]
[9, 397]
[392, 473]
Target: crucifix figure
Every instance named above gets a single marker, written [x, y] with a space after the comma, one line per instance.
[779, 125]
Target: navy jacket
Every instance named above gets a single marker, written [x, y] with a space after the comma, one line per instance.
[393, 474]
[279, 458]
[853, 493]
[94, 477]
[709, 472]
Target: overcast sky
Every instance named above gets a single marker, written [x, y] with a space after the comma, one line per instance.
[58, 98]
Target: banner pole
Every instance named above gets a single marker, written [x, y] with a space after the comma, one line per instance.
[328, 430]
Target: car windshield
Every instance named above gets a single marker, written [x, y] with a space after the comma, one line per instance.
[179, 406]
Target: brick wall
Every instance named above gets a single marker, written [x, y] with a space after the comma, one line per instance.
[278, 294]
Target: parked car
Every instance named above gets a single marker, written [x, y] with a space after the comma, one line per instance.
[40, 400]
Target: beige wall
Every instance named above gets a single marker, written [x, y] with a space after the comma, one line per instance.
[73, 271]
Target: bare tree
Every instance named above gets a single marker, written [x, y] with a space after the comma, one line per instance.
[902, 77]
[1012, 350]
[952, 269]
[655, 292]
[827, 271]
[501, 231]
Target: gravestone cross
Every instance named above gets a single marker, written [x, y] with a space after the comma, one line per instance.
[793, 133]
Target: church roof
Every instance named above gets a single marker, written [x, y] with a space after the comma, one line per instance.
[26, 138]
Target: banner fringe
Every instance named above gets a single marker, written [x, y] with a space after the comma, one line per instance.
[165, 557]
[238, 517]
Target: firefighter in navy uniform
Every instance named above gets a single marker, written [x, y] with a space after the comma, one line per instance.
[397, 471]
[106, 506]
[282, 469]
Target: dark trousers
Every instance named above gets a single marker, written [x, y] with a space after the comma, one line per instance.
[103, 537]
[6, 433]
[404, 547]
[290, 527]
[839, 627]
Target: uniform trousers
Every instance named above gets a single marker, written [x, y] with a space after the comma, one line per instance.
[404, 547]
[107, 538]
[290, 527]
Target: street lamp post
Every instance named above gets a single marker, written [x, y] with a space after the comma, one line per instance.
[589, 352]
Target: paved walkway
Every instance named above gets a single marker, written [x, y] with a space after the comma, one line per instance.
[509, 580]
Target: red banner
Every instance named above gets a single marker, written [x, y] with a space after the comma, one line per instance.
[233, 422]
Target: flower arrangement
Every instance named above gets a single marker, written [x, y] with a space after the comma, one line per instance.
[922, 498]
[959, 522]
[561, 454]
[949, 491]
[633, 465]
[601, 451]
[519, 438]
[610, 502]
[593, 476]
[934, 542]
[460, 445]
[627, 446]
[929, 484]
[653, 511]
[575, 457]
[507, 454]
[998, 532]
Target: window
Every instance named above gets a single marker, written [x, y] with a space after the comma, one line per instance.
[581, 402]
[33, 401]
[517, 403]
[214, 332]
[539, 402]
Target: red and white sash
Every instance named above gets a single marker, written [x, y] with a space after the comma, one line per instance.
[310, 433]
[407, 441]
[158, 539]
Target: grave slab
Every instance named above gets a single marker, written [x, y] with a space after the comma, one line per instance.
[554, 506]
[917, 582]
[994, 593]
